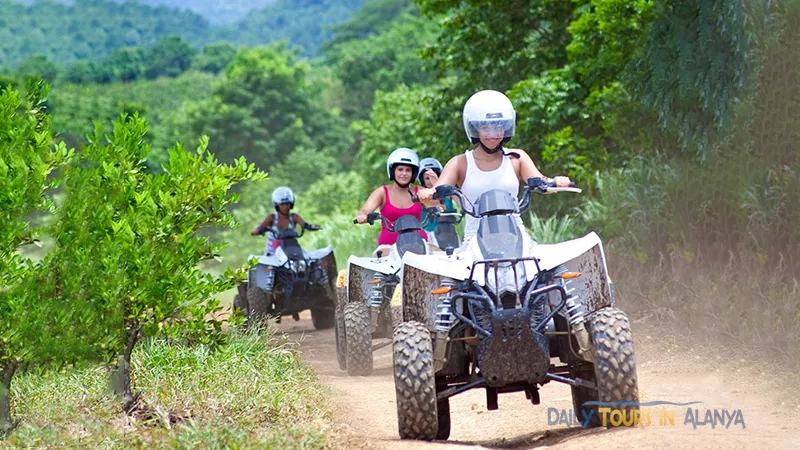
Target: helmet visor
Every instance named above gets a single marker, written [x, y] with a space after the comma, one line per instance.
[491, 129]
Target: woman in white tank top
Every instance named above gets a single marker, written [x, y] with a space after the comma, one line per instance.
[489, 121]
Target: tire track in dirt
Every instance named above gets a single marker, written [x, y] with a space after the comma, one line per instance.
[364, 407]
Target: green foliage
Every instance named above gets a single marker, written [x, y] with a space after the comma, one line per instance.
[168, 57]
[400, 118]
[128, 239]
[76, 107]
[494, 44]
[377, 62]
[552, 230]
[332, 202]
[214, 58]
[693, 66]
[265, 108]
[38, 66]
[373, 17]
[27, 158]
[605, 35]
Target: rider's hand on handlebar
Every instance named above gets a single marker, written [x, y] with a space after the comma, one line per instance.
[255, 233]
[361, 218]
[562, 181]
[425, 196]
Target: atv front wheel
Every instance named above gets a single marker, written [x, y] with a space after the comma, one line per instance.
[614, 369]
[414, 383]
[443, 419]
[260, 302]
[341, 341]
[321, 318]
[358, 338]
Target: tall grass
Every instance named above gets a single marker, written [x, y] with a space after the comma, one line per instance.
[253, 393]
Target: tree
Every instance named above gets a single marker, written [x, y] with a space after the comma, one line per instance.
[134, 235]
[39, 66]
[214, 58]
[126, 64]
[168, 57]
[693, 65]
[375, 62]
[27, 158]
[265, 108]
[83, 71]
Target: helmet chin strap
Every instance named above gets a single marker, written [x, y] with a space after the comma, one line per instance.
[491, 150]
[403, 186]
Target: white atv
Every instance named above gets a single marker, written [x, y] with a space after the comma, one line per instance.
[288, 280]
[365, 308]
[507, 315]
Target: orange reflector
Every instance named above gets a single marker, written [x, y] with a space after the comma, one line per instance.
[442, 290]
[374, 282]
[570, 275]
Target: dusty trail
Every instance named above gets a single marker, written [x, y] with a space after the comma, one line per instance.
[770, 408]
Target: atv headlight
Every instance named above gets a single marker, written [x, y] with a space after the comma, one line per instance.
[501, 280]
[298, 266]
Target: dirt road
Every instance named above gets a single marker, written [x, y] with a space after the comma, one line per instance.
[770, 408]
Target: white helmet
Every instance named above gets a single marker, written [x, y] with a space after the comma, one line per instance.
[403, 157]
[429, 163]
[282, 195]
[489, 107]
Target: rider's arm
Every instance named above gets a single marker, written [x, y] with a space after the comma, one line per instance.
[298, 221]
[375, 201]
[527, 169]
[453, 171]
[264, 226]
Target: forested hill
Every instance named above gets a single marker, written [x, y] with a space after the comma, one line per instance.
[66, 32]
[303, 23]
[88, 29]
[215, 11]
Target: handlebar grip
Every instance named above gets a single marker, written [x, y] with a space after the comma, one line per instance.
[414, 199]
[355, 221]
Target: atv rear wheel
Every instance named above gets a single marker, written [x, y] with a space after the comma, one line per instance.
[614, 369]
[414, 383]
[358, 338]
[322, 318]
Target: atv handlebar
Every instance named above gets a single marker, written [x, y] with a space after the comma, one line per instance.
[306, 226]
[371, 218]
[534, 184]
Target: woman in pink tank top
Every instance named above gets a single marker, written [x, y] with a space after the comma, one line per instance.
[394, 200]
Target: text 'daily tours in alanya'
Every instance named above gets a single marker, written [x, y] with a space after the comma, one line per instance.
[649, 414]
